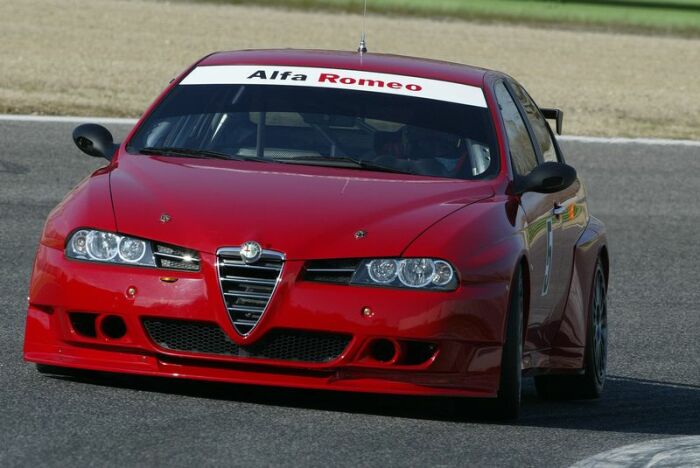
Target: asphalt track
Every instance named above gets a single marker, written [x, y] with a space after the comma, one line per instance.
[648, 196]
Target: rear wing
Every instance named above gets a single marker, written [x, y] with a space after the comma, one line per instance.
[556, 115]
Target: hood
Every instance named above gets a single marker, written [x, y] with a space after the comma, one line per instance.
[306, 212]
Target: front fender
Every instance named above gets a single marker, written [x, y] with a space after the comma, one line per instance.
[483, 241]
[89, 204]
[570, 341]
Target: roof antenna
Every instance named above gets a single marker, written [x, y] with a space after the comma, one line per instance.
[362, 49]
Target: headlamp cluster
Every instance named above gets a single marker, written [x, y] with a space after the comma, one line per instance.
[108, 247]
[418, 273]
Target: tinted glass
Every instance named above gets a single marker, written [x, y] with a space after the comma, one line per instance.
[283, 123]
[521, 150]
[538, 123]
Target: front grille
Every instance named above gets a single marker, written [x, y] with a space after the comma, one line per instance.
[331, 271]
[248, 288]
[208, 338]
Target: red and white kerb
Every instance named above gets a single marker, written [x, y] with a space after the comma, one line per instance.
[338, 79]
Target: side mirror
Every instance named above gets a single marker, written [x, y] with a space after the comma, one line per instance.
[548, 177]
[94, 140]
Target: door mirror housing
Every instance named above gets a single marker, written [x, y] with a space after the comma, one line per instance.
[548, 177]
[95, 140]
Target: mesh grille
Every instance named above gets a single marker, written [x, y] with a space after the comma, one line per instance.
[176, 258]
[208, 338]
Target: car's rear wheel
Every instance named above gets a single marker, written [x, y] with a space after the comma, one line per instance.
[507, 403]
[590, 384]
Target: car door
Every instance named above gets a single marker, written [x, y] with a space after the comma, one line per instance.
[539, 221]
[566, 220]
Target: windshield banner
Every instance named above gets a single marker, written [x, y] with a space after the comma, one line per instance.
[338, 79]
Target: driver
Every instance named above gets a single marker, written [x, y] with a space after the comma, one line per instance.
[431, 152]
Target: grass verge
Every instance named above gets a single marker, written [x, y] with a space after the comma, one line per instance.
[112, 57]
[674, 17]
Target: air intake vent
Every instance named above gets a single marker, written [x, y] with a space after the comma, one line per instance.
[331, 271]
[248, 287]
[176, 258]
[208, 338]
[84, 323]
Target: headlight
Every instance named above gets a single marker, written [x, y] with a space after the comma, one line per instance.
[108, 247]
[419, 273]
[102, 245]
[131, 250]
[383, 271]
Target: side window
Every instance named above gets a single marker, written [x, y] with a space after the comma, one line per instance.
[539, 125]
[521, 150]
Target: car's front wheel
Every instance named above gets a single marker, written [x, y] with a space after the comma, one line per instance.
[590, 384]
[507, 404]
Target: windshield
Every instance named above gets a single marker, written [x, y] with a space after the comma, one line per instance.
[330, 127]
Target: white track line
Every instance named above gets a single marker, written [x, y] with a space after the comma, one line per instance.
[676, 451]
[123, 121]
[629, 141]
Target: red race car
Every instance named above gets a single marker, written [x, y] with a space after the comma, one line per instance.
[330, 220]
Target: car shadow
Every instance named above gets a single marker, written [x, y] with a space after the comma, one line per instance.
[628, 404]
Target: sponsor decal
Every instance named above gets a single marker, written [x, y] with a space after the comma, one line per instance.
[334, 78]
[262, 74]
[337, 79]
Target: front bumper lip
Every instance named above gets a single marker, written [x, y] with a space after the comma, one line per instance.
[351, 380]
[465, 324]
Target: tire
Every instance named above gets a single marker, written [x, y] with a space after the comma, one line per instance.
[590, 384]
[507, 403]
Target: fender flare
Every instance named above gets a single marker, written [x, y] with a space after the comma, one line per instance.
[591, 245]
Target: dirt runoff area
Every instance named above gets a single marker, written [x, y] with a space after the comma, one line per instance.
[111, 58]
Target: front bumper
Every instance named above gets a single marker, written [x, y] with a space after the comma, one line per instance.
[465, 327]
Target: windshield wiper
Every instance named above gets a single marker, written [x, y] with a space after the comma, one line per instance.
[197, 153]
[344, 162]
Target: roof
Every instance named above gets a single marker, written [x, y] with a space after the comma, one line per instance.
[380, 63]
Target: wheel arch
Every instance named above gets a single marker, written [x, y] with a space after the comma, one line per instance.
[524, 266]
[590, 248]
[605, 260]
